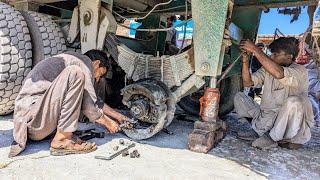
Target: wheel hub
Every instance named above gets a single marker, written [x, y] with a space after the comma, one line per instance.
[150, 102]
[140, 108]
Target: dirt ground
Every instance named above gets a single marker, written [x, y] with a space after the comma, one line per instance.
[164, 157]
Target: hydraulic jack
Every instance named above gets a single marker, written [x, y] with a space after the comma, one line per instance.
[210, 130]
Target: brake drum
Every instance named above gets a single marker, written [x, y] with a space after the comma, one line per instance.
[152, 104]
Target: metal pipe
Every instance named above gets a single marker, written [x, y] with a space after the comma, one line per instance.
[228, 69]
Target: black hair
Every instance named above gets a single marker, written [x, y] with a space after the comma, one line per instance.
[289, 45]
[99, 55]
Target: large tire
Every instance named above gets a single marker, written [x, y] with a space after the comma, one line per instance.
[47, 37]
[228, 89]
[15, 56]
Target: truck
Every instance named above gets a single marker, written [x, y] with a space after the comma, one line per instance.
[152, 82]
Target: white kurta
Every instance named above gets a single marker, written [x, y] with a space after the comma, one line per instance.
[285, 111]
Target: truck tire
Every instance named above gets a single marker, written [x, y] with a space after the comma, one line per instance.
[228, 89]
[47, 37]
[15, 56]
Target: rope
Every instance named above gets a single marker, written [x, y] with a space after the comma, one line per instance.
[5, 165]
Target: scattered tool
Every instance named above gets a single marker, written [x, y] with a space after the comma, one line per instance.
[117, 153]
[134, 154]
[125, 153]
[89, 134]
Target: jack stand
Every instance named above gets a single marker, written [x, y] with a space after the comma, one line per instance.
[208, 132]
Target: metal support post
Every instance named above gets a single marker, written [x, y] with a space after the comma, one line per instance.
[209, 27]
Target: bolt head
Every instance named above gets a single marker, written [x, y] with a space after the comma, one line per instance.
[205, 67]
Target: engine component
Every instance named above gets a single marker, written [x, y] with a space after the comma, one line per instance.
[152, 103]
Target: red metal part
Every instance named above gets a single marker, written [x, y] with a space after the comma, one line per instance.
[208, 132]
[209, 105]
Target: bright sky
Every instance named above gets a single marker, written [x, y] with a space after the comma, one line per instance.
[272, 20]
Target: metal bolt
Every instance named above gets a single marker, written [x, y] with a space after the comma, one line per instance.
[205, 67]
[125, 153]
[121, 141]
[134, 154]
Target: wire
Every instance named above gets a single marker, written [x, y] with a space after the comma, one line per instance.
[156, 30]
[185, 28]
[160, 4]
[155, 11]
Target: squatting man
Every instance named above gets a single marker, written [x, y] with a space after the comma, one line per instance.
[54, 95]
[285, 115]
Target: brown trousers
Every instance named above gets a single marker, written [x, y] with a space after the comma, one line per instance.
[60, 106]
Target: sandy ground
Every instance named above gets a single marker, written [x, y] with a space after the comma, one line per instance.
[163, 157]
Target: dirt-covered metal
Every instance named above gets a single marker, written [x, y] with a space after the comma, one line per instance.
[152, 103]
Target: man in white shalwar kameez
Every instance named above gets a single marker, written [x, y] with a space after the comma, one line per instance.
[285, 115]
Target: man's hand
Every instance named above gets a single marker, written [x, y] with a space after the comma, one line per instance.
[114, 114]
[248, 46]
[110, 124]
[245, 57]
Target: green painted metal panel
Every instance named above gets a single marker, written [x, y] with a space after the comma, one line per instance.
[248, 21]
[209, 23]
[268, 2]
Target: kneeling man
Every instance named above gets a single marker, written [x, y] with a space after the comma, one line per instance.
[53, 96]
[285, 114]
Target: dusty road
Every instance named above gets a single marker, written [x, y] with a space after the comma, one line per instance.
[164, 157]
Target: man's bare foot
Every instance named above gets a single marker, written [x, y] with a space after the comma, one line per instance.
[110, 124]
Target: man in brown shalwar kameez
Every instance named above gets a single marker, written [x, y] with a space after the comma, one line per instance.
[285, 115]
[52, 97]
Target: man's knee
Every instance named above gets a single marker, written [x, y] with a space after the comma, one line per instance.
[239, 98]
[293, 102]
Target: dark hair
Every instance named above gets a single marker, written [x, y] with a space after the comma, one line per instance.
[99, 55]
[289, 45]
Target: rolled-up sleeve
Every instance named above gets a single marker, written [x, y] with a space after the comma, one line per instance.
[292, 75]
[258, 78]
